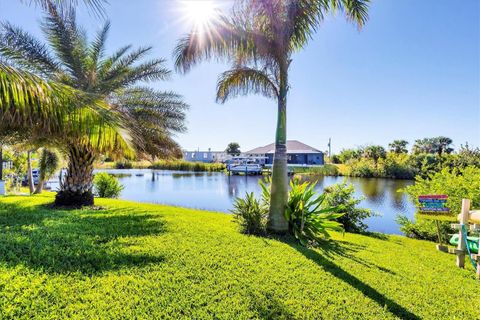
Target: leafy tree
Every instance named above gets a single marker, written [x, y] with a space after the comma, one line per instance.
[467, 157]
[398, 146]
[233, 149]
[374, 153]
[259, 40]
[438, 145]
[127, 118]
[348, 154]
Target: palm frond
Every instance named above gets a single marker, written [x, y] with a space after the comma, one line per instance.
[125, 76]
[97, 47]
[223, 42]
[56, 112]
[243, 81]
[67, 40]
[97, 6]
[355, 10]
[25, 51]
[161, 109]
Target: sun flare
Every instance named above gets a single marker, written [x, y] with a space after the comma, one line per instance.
[199, 12]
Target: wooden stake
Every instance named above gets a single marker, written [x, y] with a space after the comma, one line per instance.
[461, 247]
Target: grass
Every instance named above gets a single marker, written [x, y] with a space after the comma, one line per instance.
[134, 260]
[179, 165]
[325, 170]
[182, 165]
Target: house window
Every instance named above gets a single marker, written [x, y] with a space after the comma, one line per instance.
[205, 155]
[193, 155]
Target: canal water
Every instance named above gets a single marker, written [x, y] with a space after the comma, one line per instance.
[216, 191]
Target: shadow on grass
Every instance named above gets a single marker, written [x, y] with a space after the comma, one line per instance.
[329, 250]
[59, 241]
[267, 306]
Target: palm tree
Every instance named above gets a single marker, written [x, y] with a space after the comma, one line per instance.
[25, 85]
[110, 81]
[259, 40]
[48, 164]
[398, 146]
[374, 153]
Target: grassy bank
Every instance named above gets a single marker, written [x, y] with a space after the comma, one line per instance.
[178, 165]
[135, 260]
[187, 166]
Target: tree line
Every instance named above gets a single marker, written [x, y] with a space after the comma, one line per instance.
[427, 155]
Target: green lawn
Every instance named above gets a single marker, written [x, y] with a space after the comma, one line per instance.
[145, 261]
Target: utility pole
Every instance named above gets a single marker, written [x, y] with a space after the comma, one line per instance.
[330, 148]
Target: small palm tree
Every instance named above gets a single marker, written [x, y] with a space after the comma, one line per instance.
[141, 120]
[259, 40]
[398, 146]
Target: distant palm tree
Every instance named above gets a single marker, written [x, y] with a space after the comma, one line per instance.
[142, 119]
[374, 153]
[398, 146]
[259, 39]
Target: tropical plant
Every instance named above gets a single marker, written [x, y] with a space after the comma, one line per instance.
[233, 149]
[127, 119]
[259, 39]
[107, 186]
[48, 165]
[342, 194]
[250, 214]
[346, 155]
[438, 145]
[309, 217]
[398, 146]
[374, 153]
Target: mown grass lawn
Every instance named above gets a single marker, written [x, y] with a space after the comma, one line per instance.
[142, 261]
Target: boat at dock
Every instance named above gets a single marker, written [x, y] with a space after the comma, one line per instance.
[245, 165]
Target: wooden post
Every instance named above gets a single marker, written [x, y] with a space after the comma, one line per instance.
[461, 247]
[478, 266]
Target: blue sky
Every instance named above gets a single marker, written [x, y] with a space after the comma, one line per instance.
[412, 72]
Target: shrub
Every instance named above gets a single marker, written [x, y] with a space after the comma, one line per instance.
[107, 186]
[342, 194]
[346, 155]
[123, 165]
[325, 170]
[457, 184]
[398, 166]
[423, 228]
[251, 214]
[362, 168]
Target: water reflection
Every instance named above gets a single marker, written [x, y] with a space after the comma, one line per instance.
[217, 191]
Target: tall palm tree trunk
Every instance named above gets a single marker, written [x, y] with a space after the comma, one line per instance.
[31, 184]
[1, 162]
[279, 193]
[77, 184]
